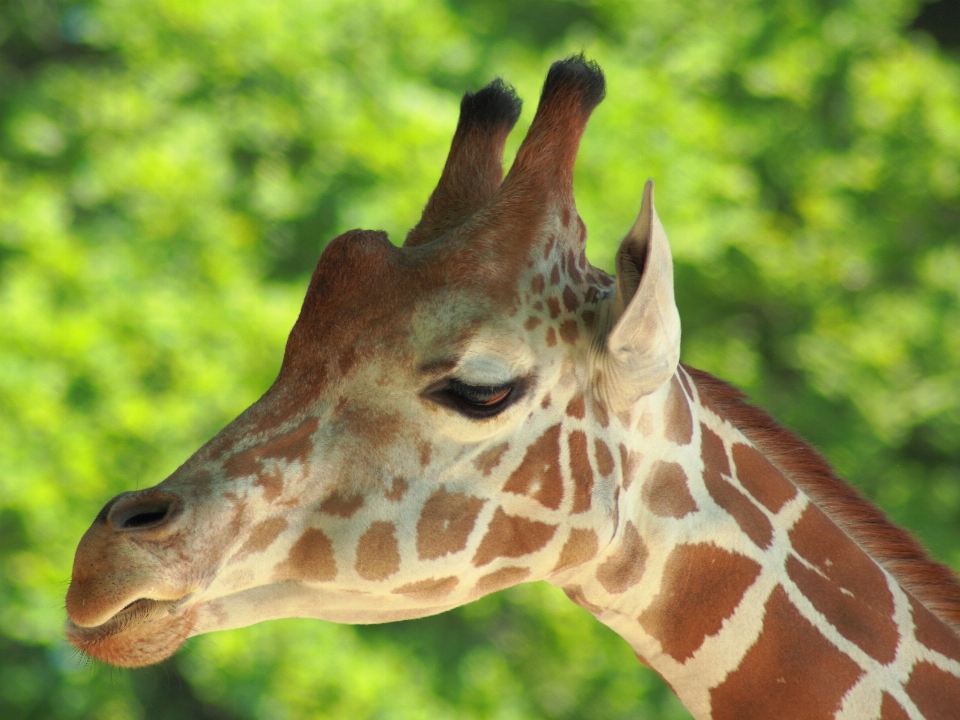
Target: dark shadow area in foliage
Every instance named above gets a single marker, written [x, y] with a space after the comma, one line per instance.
[36, 32]
[532, 22]
[942, 20]
[166, 695]
[36, 687]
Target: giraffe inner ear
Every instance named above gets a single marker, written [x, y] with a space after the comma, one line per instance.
[644, 344]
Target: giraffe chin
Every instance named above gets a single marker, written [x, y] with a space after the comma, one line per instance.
[143, 633]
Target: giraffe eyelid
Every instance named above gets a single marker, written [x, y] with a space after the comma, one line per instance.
[467, 399]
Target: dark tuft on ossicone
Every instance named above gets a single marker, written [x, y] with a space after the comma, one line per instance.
[579, 75]
[496, 104]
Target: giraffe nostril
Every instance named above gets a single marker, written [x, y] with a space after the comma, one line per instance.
[142, 511]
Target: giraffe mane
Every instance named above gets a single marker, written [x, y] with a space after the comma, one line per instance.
[896, 550]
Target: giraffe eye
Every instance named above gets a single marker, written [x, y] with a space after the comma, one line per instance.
[476, 401]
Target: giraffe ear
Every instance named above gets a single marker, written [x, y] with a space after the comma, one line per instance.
[644, 345]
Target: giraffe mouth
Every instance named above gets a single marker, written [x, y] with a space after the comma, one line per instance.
[145, 631]
[133, 613]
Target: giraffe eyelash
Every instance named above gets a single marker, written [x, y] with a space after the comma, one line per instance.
[475, 401]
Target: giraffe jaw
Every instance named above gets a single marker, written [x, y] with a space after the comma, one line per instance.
[148, 631]
[142, 633]
[292, 599]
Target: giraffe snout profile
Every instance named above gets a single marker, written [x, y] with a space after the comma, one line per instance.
[125, 586]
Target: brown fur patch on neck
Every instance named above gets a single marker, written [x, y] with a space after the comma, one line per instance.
[933, 584]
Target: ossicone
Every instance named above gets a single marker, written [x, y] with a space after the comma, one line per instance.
[474, 168]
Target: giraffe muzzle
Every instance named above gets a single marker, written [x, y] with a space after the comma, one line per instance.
[125, 557]
[128, 598]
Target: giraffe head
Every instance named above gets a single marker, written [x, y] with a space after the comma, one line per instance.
[442, 425]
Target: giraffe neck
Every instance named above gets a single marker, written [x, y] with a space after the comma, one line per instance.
[748, 599]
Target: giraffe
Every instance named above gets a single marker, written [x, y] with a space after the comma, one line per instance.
[481, 407]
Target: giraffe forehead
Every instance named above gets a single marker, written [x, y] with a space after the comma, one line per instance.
[370, 302]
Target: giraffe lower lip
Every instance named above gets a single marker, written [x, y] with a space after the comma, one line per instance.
[133, 613]
[144, 632]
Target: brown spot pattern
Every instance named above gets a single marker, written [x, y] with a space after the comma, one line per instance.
[262, 536]
[486, 461]
[572, 263]
[933, 632]
[432, 367]
[747, 515]
[538, 475]
[666, 493]
[850, 590]
[569, 332]
[548, 248]
[677, 418]
[340, 506]
[629, 462]
[600, 412]
[272, 483]
[580, 471]
[292, 446]
[377, 555]
[791, 673]
[761, 479]
[310, 559]
[511, 536]
[936, 693]
[890, 709]
[555, 275]
[398, 488]
[445, 523]
[604, 457]
[575, 408]
[580, 546]
[537, 284]
[554, 306]
[712, 452]
[426, 450]
[570, 300]
[370, 425]
[622, 570]
[551, 337]
[500, 579]
[702, 577]
[429, 589]
[531, 323]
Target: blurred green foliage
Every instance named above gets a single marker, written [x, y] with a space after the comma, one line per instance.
[171, 169]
